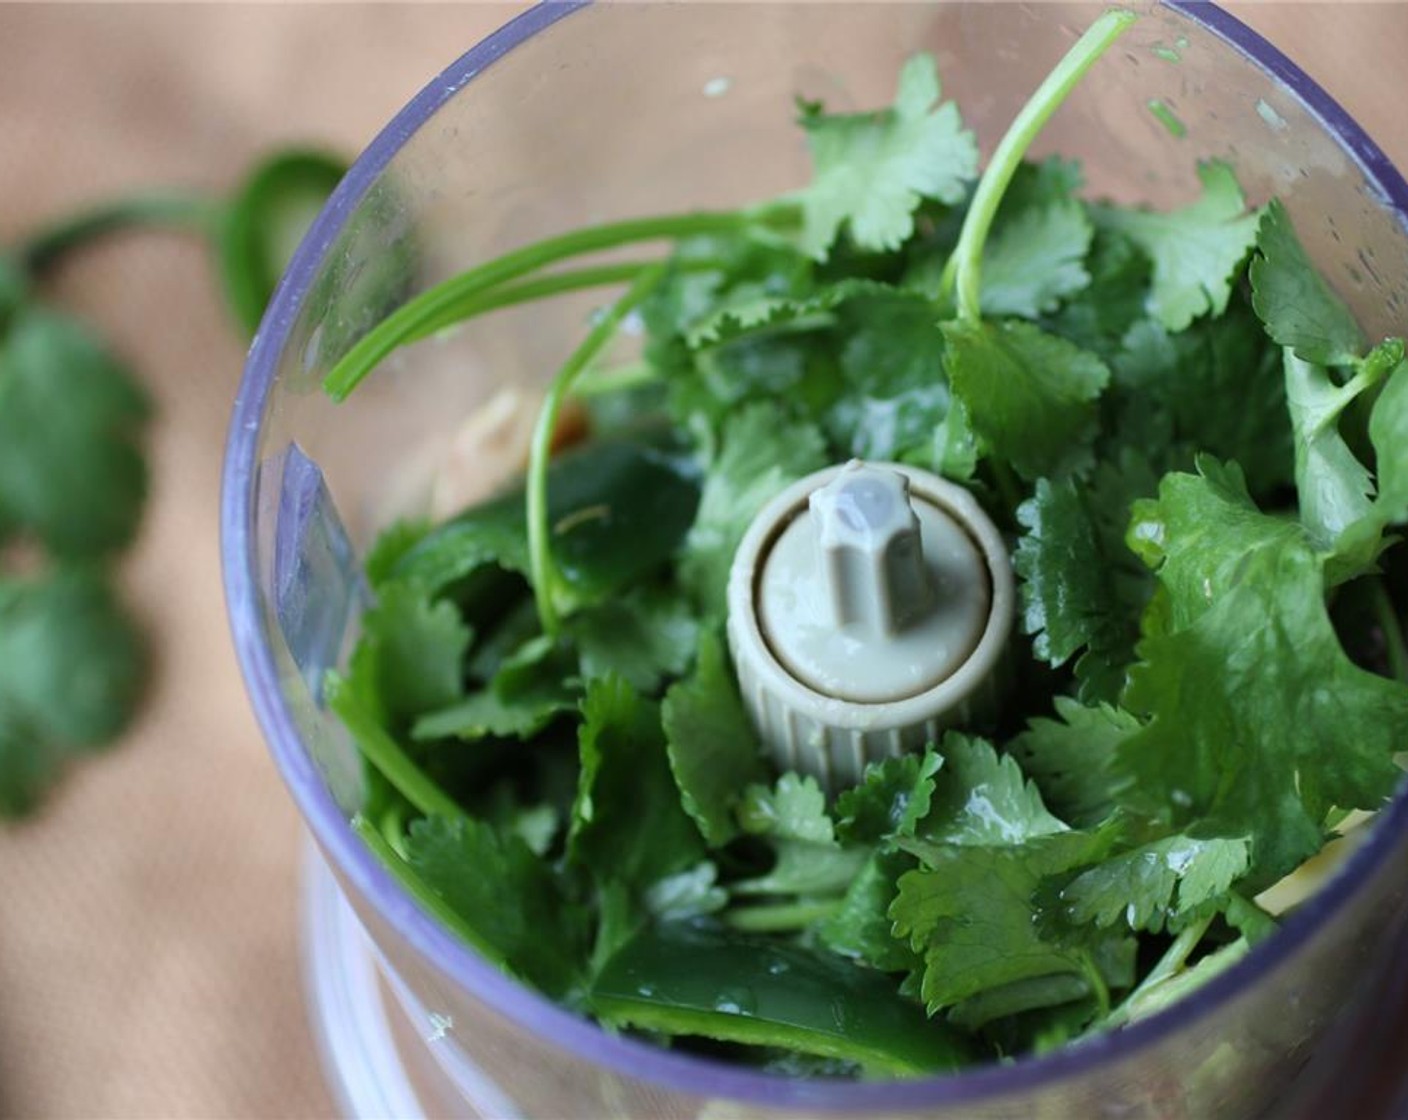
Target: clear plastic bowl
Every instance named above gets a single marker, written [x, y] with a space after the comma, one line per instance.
[572, 115]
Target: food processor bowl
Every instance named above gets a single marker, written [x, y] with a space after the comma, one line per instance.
[579, 114]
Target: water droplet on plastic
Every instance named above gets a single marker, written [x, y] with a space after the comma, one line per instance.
[777, 967]
[1270, 115]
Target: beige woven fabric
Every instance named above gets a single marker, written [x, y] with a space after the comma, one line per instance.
[148, 957]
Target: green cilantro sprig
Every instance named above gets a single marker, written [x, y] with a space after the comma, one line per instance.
[1212, 597]
[73, 476]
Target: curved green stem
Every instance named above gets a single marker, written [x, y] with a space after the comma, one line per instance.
[540, 563]
[180, 210]
[411, 319]
[383, 752]
[542, 287]
[962, 273]
[1167, 967]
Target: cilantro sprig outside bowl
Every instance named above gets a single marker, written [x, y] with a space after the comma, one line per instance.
[1142, 301]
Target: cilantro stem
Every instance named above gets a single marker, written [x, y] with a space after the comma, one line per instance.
[419, 889]
[964, 269]
[1387, 618]
[542, 287]
[542, 573]
[179, 210]
[1167, 967]
[411, 319]
[628, 375]
[383, 752]
[782, 917]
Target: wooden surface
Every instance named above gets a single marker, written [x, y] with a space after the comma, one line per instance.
[147, 918]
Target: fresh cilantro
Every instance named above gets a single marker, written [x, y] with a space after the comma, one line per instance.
[893, 797]
[981, 797]
[71, 468]
[414, 651]
[644, 636]
[627, 822]
[895, 389]
[1196, 728]
[473, 869]
[1258, 722]
[1294, 301]
[809, 860]
[1334, 487]
[1036, 259]
[713, 749]
[972, 912]
[1030, 396]
[1343, 520]
[861, 926]
[761, 453]
[1070, 758]
[1162, 383]
[873, 169]
[1076, 596]
[71, 672]
[617, 509]
[1195, 250]
[1149, 886]
[391, 544]
[1114, 299]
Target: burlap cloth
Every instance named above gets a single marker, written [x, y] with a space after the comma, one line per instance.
[148, 956]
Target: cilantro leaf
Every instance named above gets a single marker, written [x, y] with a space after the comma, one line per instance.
[531, 687]
[643, 636]
[391, 544]
[792, 817]
[1114, 299]
[1076, 590]
[618, 509]
[1036, 259]
[1333, 486]
[71, 470]
[761, 453]
[627, 822]
[1258, 721]
[71, 672]
[1360, 543]
[861, 926]
[894, 795]
[981, 797]
[1294, 301]
[1195, 250]
[1388, 430]
[415, 651]
[713, 750]
[1071, 758]
[1030, 396]
[473, 870]
[1147, 887]
[873, 169]
[972, 912]
[1163, 383]
[896, 392]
